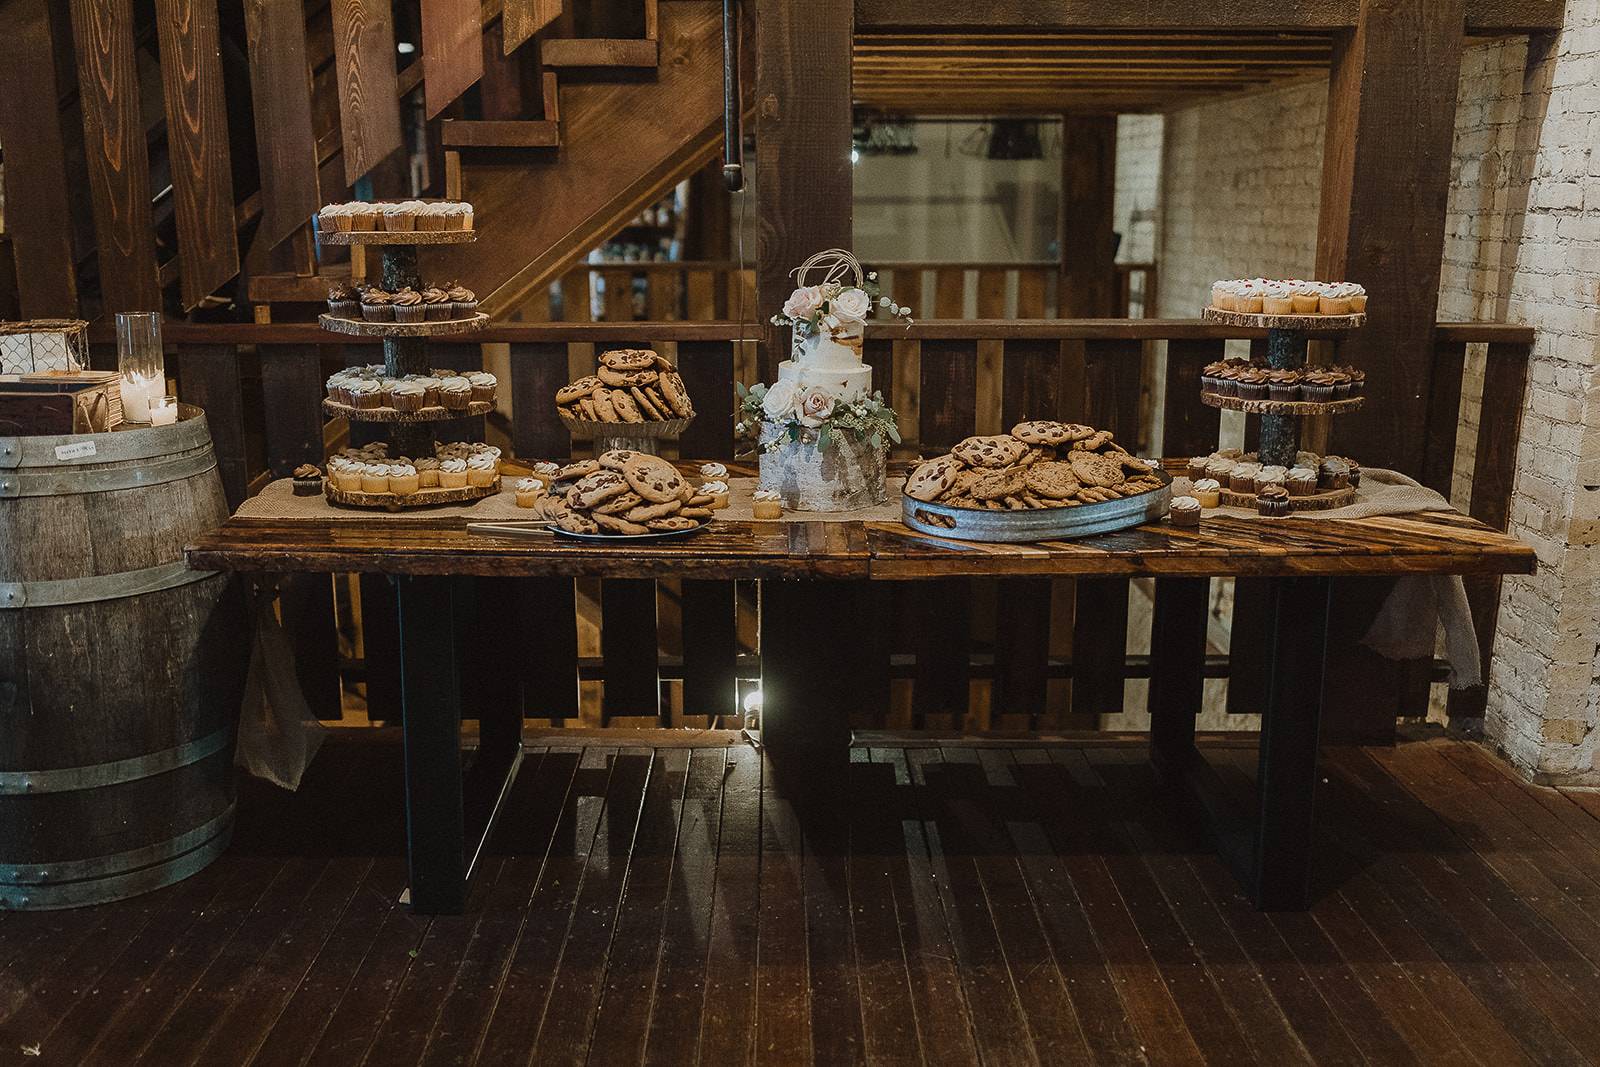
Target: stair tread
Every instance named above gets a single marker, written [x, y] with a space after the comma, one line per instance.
[500, 133]
[600, 52]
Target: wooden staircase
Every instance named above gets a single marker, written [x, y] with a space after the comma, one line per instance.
[624, 120]
[616, 123]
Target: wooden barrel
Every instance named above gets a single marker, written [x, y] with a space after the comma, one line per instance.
[121, 670]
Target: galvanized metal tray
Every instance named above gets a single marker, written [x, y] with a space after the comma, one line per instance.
[1042, 524]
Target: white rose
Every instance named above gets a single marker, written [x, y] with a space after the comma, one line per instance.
[852, 305]
[779, 401]
[815, 407]
[803, 303]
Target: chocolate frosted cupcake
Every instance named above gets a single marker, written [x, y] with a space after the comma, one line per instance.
[1341, 382]
[1273, 501]
[307, 480]
[436, 305]
[1358, 381]
[1184, 511]
[1252, 384]
[408, 305]
[464, 300]
[1316, 386]
[1333, 473]
[342, 302]
[1283, 385]
[377, 305]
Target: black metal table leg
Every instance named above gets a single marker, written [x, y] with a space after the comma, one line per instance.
[1290, 724]
[431, 711]
[812, 649]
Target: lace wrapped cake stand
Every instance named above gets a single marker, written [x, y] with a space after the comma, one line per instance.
[635, 436]
[848, 475]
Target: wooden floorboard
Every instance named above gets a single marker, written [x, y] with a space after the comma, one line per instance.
[954, 902]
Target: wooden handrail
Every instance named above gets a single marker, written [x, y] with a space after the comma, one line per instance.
[302, 333]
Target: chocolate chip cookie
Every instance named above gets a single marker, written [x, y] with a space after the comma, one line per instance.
[932, 479]
[999, 450]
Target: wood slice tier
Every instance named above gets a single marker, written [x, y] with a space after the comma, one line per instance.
[420, 499]
[1318, 501]
[432, 414]
[363, 328]
[1281, 407]
[1297, 323]
[397, 237]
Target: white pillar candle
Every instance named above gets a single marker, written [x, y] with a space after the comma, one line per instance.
[138, 393]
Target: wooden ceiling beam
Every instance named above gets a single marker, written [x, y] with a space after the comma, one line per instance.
[1480, 16]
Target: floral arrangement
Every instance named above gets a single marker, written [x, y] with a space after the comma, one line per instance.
[834, 305]
[813, 413]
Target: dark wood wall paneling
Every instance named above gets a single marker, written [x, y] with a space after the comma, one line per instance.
[369, 105]
[38, 216]
[114, 144]
[286, 142]
[452, 50]
[197, 146]
[1089, 286]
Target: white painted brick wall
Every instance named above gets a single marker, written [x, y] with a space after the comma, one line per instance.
[1522, 243]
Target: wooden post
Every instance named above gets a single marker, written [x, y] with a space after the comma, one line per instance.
[803, 124]
[1088, 191]
[1385, 182]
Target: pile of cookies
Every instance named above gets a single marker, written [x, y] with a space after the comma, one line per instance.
[632, 385]
[628, 493]
[1039, 464]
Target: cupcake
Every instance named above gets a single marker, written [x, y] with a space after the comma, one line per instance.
[1333, 300]
[1243, 477]
[1277, 298]
[408, 305]
[459, 216]
[1301, 481]
[334, 218]
[399, 217]
[335, 387]
[1316, 386]
[1252, 384]
[1221, 469]
[307, 480]
[463, 301]
[528, 491]
[766, 504]
[403, 479]
[365, 394]
[713, 470]
[452, 473]
[1249, 298]
[482, 469]
[364, 216]
[1220, 296]
[483, 384]
[1197, 467]
[1358, 380]
[1271, 475]
[1305, 297]
[718, 492]
[375, 478]
[342, 302]
[427, 472]
[1283, 385]
[547, 470]
[443, 372]
[432, 218]
[1333, 473]
[1273, 501]
[1341, 383]
[1354, 471]
[1358, 297]
[1184, 511]
[1208, 491]
[406, 395]
[429, 387]
[377, 305]
[436, 305]
[346, 475]
[455, 393]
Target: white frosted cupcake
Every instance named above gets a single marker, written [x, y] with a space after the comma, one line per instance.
[375, 478]
[718, 492]
[713, 470]
[766, 504]
[528, 491]
[453, 473]
[403, 479]
[482, 470]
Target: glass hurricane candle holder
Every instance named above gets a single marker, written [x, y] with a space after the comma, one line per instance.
[140, 364]
[163, 411]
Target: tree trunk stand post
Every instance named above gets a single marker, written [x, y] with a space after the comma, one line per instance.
[405, 355]
[1280, 434]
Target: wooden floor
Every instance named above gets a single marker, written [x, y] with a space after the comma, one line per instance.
[991, 905]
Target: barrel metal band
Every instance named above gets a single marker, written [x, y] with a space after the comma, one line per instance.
[67, 480]
[115, 887]
[18, 874]
[61, 592]
[94, 776]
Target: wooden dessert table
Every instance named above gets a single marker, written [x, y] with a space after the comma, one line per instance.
[805, 714]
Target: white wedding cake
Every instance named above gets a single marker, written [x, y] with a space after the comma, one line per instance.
[824, 433]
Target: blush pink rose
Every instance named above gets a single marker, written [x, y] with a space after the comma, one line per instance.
[803, 303]
[815, 407]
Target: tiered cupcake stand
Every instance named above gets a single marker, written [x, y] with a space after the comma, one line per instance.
[405, 351]
[1288, 338]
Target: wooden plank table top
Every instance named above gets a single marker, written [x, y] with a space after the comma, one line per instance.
[1222, 546]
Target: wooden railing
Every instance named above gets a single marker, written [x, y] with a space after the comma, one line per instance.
[719, 290]
[1039, 664]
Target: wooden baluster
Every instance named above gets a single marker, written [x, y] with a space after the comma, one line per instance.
[1505, 382]
[1188, 427]
[208, 377]
[991, 305]
[906, 386]
[944, 607]
[710, 641]
[1032, 379]
[618, 295]
[1111, 379]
